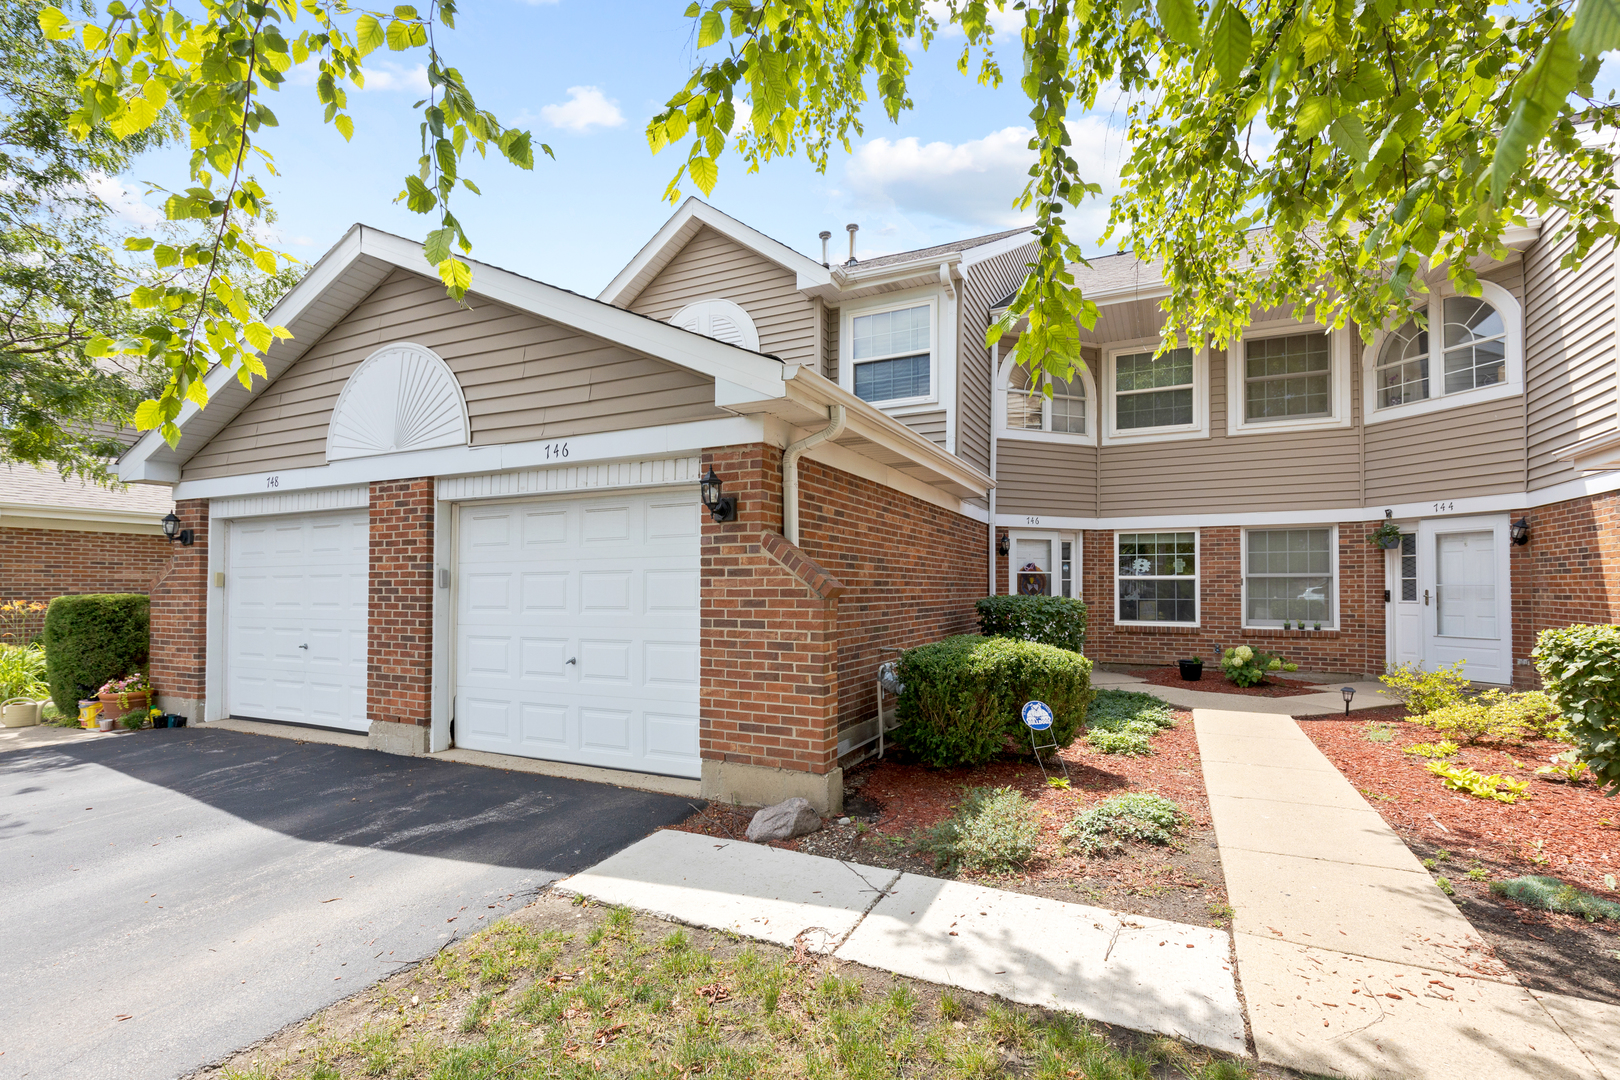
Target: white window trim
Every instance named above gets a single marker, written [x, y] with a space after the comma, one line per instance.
[1333, 571]
[1512, 318]
[1340, 380]
[1198, 429]
[1004, 431]
[1197, 578]
[846, 345]
[1057, 538]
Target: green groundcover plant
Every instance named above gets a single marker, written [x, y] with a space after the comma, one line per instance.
[1125, 721]
[1580, 666]
[963, 696]
[1136, 817]
[90, 639]
[994, 829]
[1550, 894]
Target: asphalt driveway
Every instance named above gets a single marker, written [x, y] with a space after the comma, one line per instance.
[172, 896]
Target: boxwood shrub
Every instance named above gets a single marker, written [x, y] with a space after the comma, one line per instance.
[90, 639]
[1051, 620]
[963, 696]
[1580, 666]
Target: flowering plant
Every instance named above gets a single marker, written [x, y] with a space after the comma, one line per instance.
[1247, 667]
[19, 620]
[126, 687]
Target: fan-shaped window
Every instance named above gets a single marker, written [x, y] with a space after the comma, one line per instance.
[1475, 342]
[721, 320]
[1403, 366]
[1030, 410]
[403, 397]
[1467, 349]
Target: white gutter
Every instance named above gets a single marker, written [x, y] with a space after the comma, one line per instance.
[790, 470]
[995, 381]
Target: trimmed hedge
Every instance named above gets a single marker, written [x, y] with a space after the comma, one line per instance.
[93, 638]
[963, 696]
[1580, 666]
[1051, 620]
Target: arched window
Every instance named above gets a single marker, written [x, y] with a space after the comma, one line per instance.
[1403, 366]
[1471, 349]
[721, 320]
[1475, 344]
[1029, 409]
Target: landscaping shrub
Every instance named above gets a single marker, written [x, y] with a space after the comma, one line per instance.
[1580, 666]
[992, 829]
[1424, 691]
[1058, 621]
[1550, 894]
[1496, 716]
[1248, 666]
[962, 696]
[22, 672]
[91, 639]
[1125, 721]
[1462, 778]
[1136, 817]
[1442, 749]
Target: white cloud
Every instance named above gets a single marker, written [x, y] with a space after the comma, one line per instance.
[1005, 23]
[586, 107]
[124, 200]
[380, 75]
[974, 183]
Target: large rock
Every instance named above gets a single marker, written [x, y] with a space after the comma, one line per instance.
[784, 821]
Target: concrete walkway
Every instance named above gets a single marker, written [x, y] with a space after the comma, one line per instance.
[1352, 961]
[1140, 973]
[1329, 701]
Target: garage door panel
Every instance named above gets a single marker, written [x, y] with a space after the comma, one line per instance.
[296, 633]
[609, 582]
[489, 655]
[488, 718]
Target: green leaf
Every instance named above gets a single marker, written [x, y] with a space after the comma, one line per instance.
[437, 248]
[1314, 115]
[258, 335]
[711, 29]
[265, 260]
[1233, 37]
[399, 36]
[417, 196]
[1597, 27]
[369, 34]
[457, 277]
[1541, 91]
[1180, 20]
[148, 415]
[1349, 134]
[705, 173]
[54, 23]
[139, 243]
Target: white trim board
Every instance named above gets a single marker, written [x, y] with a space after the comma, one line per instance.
[564, 479]
[354, 497]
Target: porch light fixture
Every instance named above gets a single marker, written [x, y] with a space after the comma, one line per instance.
[172, 529]
[1004, 544]
[721, 507]
[1519, 532]
[1348, 692]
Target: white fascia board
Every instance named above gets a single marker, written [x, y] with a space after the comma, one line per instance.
[698, 352]
[1597, 452]
[810, 273]
[135, 466]
[601, 447]
[811, 388]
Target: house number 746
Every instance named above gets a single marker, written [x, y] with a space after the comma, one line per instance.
[1032, 521]
[556, 450]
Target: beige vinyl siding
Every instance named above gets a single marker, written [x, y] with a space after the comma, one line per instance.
[983, 284]
[829, 350]
[524, 379]
[1449, 454]
[712, 265]
[930, 425]
[1509, 275]
[1569, 352]
[1046, 478]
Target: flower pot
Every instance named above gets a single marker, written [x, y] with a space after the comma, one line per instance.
[136, 702]
[106, 723]
[1389, 543]
[1191, 670]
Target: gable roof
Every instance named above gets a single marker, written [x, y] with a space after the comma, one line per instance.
[927, 254]
[355, 266]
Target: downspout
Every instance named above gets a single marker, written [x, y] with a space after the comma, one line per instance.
[790, 469]
[995, 382]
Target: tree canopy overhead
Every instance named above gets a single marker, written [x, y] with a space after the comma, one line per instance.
[1279, 151]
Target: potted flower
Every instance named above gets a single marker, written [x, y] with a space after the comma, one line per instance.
[1386, 536]
[129, 694]
[1191, 670]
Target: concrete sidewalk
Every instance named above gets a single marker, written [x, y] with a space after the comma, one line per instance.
[1328, 701]
[1352, 961]
[1129, 970]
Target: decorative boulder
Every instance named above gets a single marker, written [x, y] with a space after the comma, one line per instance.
[784, 821]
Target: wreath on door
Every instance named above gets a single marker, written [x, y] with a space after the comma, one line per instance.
[1031, 580]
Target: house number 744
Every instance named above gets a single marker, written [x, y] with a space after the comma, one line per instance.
[1444, 507]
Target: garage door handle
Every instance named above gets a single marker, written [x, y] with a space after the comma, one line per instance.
[571, 659]
[303, 646]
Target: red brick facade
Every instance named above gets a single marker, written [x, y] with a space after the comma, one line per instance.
[399, 659]
[180, 616]
[40, 564]
[1568, 573]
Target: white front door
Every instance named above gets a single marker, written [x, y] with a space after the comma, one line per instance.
[297, 591]
[1457, 604]
[578, 630]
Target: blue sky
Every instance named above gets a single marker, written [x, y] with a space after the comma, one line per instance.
[585, 77]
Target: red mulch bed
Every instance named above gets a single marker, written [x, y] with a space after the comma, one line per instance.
[1567, 831]
[1214, 682]
[892, 800]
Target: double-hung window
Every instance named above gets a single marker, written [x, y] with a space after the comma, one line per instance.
[1470, 349]
[1288, 577]
[1153, 391]
[1287, 378]
[1030, 409]
[1156, 576]
[892, 354]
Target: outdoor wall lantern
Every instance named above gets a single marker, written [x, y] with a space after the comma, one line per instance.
[1004, 544]
[721, 507]
[1348, 692]
[1519, 532]
[172, 529]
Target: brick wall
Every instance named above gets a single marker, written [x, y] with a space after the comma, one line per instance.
[911, 572]
[1568, 573]
[399, 659]
[40, 564]
[180, 615]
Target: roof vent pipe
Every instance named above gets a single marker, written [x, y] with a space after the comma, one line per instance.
[825, 236]
[852, 229]
[790, 470]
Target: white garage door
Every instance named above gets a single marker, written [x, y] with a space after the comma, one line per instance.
[296, 601]
[577, 631]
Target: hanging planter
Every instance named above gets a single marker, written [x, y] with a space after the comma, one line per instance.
[1386, 536]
